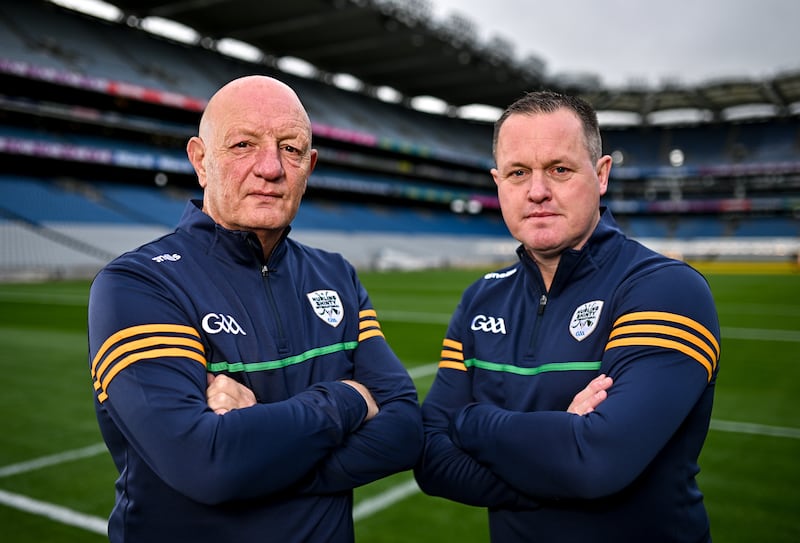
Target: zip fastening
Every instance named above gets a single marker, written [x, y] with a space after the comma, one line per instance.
[281, 341]
[539, 314]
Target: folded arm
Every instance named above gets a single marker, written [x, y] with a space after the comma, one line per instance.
[151, 383]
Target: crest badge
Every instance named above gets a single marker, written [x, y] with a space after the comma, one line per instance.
[327, 306]
[585, 318]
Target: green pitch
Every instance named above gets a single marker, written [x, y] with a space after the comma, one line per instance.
[56, 483]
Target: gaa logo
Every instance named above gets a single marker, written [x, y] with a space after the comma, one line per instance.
[482, 323]
[214, 323]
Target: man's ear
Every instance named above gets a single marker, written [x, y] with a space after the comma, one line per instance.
[603, 172]
[495, 175]
[314, 155]
[196, 151]
[312, 162]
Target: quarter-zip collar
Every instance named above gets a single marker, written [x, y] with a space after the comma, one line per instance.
[238, 245]
[574, 264]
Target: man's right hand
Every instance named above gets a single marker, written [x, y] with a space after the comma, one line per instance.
[372, 405]
[590, 397]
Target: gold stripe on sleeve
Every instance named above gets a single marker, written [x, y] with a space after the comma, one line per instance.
[145, 355]
[661, 342]
[648, 329]
[453, 365]
[671, 317]
[373, 332]
[142, 343]
[452, 355]
[139, 330]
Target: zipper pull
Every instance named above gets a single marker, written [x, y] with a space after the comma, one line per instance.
[542, 303]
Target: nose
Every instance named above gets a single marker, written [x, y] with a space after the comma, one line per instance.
[539, 187]
[268, 163]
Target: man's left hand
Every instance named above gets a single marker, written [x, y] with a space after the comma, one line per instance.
[224, 394]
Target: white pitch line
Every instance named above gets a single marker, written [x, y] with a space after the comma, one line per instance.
[52, 460]
[418, 372]
[755, 429]
[361, 510]
[369, 506]
[761, 334]
[51, 298]
[55, 512]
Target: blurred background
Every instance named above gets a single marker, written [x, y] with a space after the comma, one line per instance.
[699, 104]
[96, 109]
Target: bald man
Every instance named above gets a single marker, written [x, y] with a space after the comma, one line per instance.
[241, 379]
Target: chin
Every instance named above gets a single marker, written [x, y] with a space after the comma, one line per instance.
[545, 246]
[267, 217]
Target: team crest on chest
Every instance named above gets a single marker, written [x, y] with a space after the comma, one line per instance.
[327, 306]
[585, 318]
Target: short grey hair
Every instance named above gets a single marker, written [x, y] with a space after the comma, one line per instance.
[549, 102]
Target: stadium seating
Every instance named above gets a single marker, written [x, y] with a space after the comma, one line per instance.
[81, 160]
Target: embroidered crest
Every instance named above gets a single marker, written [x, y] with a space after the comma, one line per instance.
[585, 319]
[327, 306]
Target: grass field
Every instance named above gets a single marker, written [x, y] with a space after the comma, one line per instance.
[56, 481]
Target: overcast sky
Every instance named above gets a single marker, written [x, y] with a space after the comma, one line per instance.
[643, 41]
[687, 41]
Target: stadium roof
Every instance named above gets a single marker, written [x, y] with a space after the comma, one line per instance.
[395, 43]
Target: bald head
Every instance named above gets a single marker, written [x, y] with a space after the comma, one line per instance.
[240, 95]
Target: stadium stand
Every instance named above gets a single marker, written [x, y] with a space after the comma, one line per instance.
[95, 116]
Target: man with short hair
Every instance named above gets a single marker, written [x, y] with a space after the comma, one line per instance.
[583, 300]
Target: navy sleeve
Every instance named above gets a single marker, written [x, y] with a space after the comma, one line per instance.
[662, 353]
[150, 380]
[445, 469]
[392, 440]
